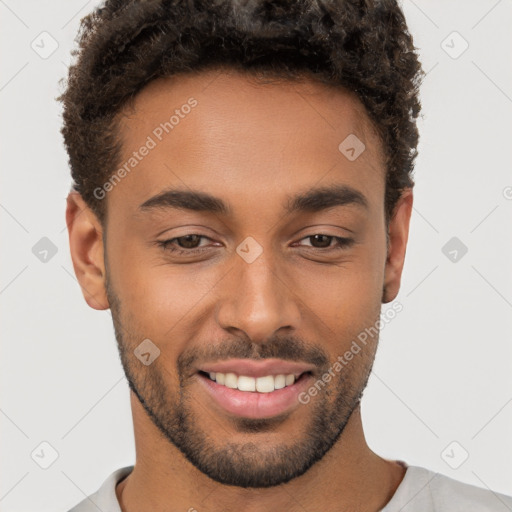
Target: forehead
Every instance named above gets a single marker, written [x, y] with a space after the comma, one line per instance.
[232, 136]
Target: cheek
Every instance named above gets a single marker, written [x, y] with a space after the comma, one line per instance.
[346, 304]
[162, 299]
[352, 287]
[344, 299]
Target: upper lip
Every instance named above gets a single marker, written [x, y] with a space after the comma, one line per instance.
[256, 369]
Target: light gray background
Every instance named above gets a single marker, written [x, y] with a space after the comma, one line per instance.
[443, 369]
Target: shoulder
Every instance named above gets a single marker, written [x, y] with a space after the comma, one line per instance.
[104, 498]
[450, 494]
[423, 490]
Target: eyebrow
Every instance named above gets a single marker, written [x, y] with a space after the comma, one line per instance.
[311, 201]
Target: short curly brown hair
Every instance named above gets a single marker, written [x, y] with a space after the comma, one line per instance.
[360, 45]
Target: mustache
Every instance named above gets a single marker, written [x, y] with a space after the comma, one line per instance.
[288, 349]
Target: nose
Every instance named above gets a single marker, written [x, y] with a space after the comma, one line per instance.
[258, 299]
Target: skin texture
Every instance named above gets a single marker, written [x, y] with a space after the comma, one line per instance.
[254, 146]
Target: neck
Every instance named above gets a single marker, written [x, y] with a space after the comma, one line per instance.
[349, 477]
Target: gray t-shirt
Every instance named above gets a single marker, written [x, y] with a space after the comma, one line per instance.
[421, 490]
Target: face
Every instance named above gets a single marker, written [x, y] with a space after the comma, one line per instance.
[251, 252]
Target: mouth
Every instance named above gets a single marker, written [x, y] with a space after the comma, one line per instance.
[255, 397]
[265, 384]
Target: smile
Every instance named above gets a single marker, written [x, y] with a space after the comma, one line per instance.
[251, 397]
[266, 384]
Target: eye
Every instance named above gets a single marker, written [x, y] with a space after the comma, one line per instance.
[190, 244]
[187, 244]
[321, 241]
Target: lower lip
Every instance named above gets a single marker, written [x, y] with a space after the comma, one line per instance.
[252, 404]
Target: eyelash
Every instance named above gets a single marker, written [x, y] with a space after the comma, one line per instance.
[341, 244]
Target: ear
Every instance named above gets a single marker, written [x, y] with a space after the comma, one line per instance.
[398, 233]
[86, 246]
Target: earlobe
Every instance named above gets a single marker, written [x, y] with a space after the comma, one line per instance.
[86, 247]
[398, 233]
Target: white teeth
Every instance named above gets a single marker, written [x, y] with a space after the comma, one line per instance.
[246, 383]
[279, 381]
[265, 384]
[290, 379]
[231, 381]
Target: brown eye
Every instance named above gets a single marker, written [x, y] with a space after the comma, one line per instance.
[323, 241]
[184, 245]
[189, 241]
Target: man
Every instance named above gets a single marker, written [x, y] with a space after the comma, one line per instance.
[241, 203]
